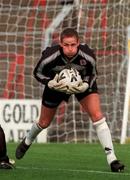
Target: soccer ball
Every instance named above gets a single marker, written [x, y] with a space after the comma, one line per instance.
[69, 77]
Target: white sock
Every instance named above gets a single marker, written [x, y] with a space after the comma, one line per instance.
[103, 133]
[31, 135]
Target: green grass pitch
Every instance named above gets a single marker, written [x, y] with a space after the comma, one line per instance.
[66, 162]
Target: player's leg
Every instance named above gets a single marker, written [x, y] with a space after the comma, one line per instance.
[45, 119]
[4, 159]
[50, 101]
[91, 105]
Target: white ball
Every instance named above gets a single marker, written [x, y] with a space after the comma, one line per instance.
[70, 77]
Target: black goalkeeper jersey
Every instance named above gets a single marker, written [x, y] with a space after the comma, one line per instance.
[53, 61]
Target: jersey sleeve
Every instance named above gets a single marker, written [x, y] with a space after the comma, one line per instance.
[42, 71]
[90, 73]
[39, 70]
[94, 73]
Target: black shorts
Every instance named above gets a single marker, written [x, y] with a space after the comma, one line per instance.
[52, 98]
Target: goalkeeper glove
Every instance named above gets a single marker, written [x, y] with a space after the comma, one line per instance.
[58, 86]
[83, 86]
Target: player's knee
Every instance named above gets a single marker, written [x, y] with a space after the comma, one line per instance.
[96, 116]
[44, 124]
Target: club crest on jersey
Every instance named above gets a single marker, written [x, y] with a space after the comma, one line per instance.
[83, 62]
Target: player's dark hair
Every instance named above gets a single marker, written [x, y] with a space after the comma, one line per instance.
[69, 32]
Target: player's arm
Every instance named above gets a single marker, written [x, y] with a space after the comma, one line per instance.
[89, 74]
[42, 70]
[46, 80]
[38, 72]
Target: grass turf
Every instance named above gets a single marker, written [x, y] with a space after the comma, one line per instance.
[66, 162]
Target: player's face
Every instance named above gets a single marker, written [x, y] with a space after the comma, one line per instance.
[69, 46]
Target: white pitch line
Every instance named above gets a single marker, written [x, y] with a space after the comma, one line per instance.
[74, 170]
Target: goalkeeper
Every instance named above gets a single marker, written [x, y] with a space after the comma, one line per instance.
[70, 53]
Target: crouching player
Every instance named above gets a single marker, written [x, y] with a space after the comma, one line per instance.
[71, 53]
